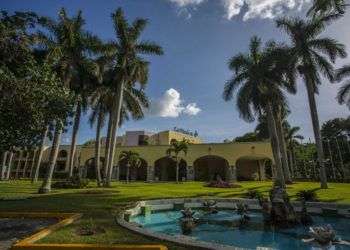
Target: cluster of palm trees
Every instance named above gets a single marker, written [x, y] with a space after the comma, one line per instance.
[107, 77]
[265, 74]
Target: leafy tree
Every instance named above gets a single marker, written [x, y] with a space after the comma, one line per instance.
[129, 68]
[248, 137]
[175, 149]
[313, 57]
[132, 159]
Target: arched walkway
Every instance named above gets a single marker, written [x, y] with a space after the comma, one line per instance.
[250, 168]
[90, 166]
[165, 169]
[209, 167]
[135, 173]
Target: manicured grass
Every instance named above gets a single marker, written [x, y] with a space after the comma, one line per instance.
[99, 205]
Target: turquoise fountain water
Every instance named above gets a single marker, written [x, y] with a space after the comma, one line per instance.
[252, 235]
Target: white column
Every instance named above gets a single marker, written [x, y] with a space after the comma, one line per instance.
[150, 173]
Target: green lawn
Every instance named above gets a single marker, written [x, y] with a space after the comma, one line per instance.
[100, 204]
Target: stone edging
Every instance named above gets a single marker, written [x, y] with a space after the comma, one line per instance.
[224, 203]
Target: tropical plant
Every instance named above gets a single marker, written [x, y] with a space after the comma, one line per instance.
[132, 159]
[313, 57]
[307, 195]
[175, 149]
[344, 91]
[129, 68]
[326, 7]
[260, 76]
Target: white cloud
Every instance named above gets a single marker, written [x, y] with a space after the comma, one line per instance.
[192, 109]
[171, 105]
[183, 3]
[255, 8]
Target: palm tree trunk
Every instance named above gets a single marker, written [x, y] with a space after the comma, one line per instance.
[18, 164]
[108, 146]
[33, 163]
[331, 159]
[317, 133]
[9, 166]
[73, 146]
[40, 156]
[340, 158]
[3, 165]
[177, 171]
[127, 172]
[275, 145]
[281, 139]
[46, 186]
[291, 165]
[98, 149]
[117, 106]
[25, 165]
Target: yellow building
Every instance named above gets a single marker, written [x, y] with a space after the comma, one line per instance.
[203, 161]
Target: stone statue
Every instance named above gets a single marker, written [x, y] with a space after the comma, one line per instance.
[324, 236]
[210, 207]
[187, 222]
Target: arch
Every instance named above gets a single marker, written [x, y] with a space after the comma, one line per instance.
[90, 166]
[135, 173]
[165, 169]
[209, 167]
[252, 168]
[62, 154]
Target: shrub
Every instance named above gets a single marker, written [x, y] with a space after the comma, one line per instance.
[307, 195]
[221, 184]
[74, 182]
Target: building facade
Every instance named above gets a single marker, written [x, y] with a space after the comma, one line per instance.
[203, 161]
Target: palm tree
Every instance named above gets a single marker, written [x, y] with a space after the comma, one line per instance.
[344, 92]
[132, 159]
[3, 165]
[9, 165]
[46, 185]
[324, 7]
[134, 102]
[177, 147]
[259, 77]
[129, 68]
[67, 46]
[291, 136]
[40, 155]
[313, 57]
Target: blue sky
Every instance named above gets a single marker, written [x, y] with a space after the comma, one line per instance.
[198, 37]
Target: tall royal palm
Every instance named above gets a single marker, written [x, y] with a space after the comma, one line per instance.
[313, 56]
[291, 137]
[259, 83]
[130, 68]
[135, 102]
[67, 46]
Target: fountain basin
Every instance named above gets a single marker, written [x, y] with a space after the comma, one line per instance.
[216, 232]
